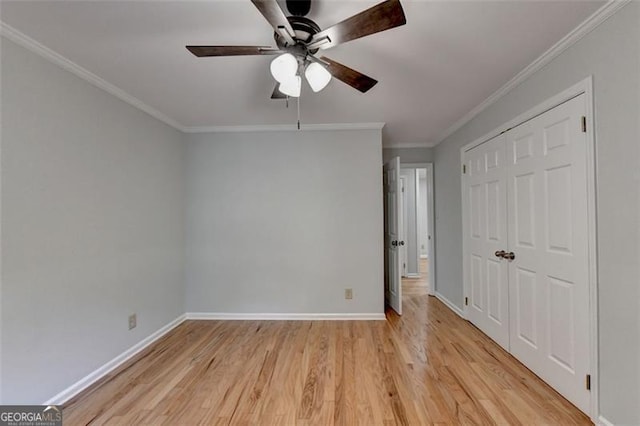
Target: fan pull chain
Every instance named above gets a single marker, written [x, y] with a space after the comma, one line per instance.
[298, 112]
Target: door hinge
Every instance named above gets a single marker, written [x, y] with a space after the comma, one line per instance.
[588, 382]
[584, 124]
[466, 301]
[464, 169]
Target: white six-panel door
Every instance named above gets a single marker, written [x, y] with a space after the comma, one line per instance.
[548, 230]
[486, 233]
[392, 226]
[525, 193]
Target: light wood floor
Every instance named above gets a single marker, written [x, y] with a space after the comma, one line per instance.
[417, 286]
[428, 366]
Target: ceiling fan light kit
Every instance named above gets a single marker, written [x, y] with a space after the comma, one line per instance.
[317, 76]
[291, 86]
[298, 39]
[284, 67]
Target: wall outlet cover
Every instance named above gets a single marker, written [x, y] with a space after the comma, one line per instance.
[133, 321]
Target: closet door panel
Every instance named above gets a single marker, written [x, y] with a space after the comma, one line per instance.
[485, 233]
[548, 278]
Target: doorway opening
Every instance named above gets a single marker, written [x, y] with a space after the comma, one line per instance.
[416, 235]
[409, 232]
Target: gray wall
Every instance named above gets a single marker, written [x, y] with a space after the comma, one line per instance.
[92, 226]
[611, 53]
[283, 222]
[408, 155]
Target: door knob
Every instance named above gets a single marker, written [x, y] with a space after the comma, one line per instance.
[394, 243]
[509, 256]
[500, 253]
[400, 243]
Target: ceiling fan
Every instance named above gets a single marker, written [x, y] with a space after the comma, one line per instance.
[298, 39]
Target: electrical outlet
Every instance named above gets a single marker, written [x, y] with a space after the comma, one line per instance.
[348, 293]
[133, 321]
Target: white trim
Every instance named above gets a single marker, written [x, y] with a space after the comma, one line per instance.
[54, 57]
[583, 87]
[283, 317]
[449, 304]
[408, 145]
[424, 256]
[592, 195]
[431, 224]
[412, 276]
[96, 375]
[603, 422]
[592, 22]
[284, 127]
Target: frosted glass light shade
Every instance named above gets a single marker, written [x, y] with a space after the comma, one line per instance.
[291, 87]
[317, 76]
[284, 67]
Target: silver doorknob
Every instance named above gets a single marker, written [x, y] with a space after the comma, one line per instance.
[500, 253]
[509, 256]
[394, 243]
[400, 243]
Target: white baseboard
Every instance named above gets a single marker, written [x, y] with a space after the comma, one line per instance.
[413, 276]
[604, 422]
[424, 256]
[450, 304]
[283, 317]
[96, 375]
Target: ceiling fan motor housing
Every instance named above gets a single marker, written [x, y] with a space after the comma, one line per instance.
[304, 29]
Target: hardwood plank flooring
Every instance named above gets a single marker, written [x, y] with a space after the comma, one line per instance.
[417, 286]
[427, 367]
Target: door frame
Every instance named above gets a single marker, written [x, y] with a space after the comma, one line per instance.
[402, 230]
[431, 269]
[583, 87]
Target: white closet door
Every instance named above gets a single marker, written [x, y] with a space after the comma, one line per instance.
[548, 279]
[485, 232]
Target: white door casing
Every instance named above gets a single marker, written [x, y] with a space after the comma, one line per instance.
[485, 233]
[431, 225]
[402, 235]
[548, 233]
[393, 225]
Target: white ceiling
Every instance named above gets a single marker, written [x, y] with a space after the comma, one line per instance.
[449, 57]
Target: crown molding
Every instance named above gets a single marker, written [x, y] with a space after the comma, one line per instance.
[283, 127]
[36, 47]
[406, 145]
[588, 25]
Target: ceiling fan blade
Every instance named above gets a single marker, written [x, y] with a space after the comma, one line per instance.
[272, 12]
[384, 16]
[353, 78]
[203, 51]
[277, 94]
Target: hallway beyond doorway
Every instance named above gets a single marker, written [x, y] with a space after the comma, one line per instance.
[417, 286]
